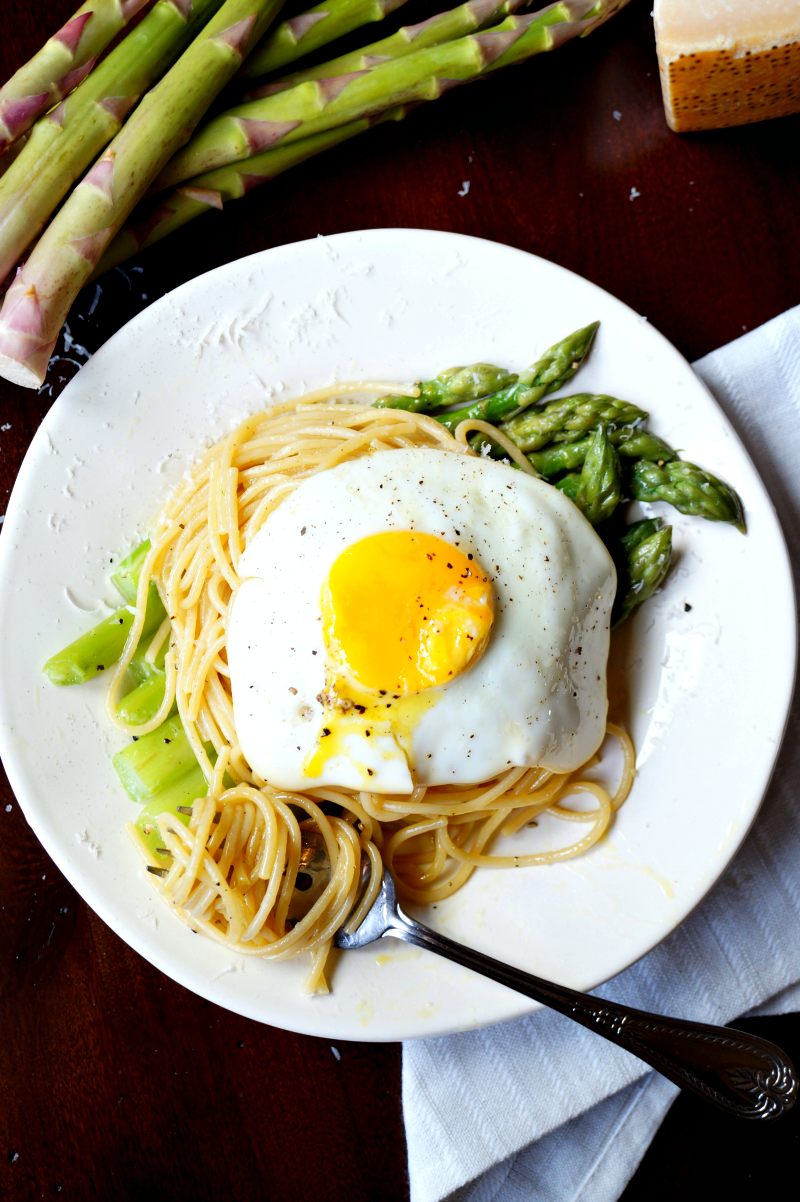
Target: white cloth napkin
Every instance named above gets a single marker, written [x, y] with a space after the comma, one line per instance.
[540, 1108]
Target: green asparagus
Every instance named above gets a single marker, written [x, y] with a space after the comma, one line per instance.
[318, 105]
[144, 701]
[557, 365]
[637, 532]
[569, 418]
[560, 457]
[314, 28]
[39, 299]
[689, 488]
[570, 485]
[126, 577]
[600, 489]
[198, 195]
[450, 386]
[150, 222]
[477, 14]
[176, 800]
[62, 145]
[641, 568]
[102, 645]
[156, 761]
[64, 60]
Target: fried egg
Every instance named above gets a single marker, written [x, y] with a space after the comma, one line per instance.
[419, 616]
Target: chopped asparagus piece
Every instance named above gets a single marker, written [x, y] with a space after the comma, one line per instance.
[142, 703]
[570, 485]
[641, 444]
[126, 577]
[690, 489]
[568, 418]
[641, 570]
[182, 793]
[103, 644]
[451, 386]
[550, 372]
[155, 762]
[600, 489]
[559, 457]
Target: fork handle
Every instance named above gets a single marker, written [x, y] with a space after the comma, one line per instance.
[737, 1071]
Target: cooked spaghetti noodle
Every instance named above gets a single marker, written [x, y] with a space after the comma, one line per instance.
[235, 865]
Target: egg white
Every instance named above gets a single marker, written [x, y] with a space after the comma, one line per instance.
[537, 696]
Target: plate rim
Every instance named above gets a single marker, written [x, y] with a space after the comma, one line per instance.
[137, 938]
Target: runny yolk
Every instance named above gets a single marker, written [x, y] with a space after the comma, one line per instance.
[404, 611]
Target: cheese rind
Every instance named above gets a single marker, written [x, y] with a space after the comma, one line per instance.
[728, 62]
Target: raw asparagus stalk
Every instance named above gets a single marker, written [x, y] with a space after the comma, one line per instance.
[64, 143]
[568, 418]
[103, 644]
[149, 224]
[641, 567]
[62, 261]
[309, 30]
[321, 104]
[155, 762]
[689, 488]
[455, 23]
[64, 60]
[451, 386]
[152, 221]
[600, 490]
[569, 456]
[557, 365]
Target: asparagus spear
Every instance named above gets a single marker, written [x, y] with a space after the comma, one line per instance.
[64, 60]
[39, 299]
[559, 457]
[126, 577]
[557, 365]
[600, 490]
[212, 189]
[102, 645]
[143, 702]
[637, 532]
[690, 489]
[176, 800]
[317, 105]
[314, 28]
[455, 23]
[156, 761]
[64, 143]
[566, 419]
[450, 386]
[152, 221]
[570, 485]
[641, 567]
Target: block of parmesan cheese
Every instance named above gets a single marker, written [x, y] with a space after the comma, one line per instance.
[728, 62]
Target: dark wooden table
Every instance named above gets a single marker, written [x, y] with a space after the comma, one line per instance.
[116, 1083]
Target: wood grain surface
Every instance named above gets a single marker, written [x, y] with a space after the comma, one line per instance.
[116, 1083]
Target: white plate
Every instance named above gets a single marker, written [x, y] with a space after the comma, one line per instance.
[708, 688]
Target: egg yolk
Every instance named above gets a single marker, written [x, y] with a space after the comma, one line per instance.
[404, 611]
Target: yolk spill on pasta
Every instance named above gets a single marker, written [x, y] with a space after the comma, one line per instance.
[402, 614]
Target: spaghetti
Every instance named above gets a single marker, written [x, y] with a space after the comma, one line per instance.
[235, 865]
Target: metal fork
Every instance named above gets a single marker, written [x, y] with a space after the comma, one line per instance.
[736, 1071]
